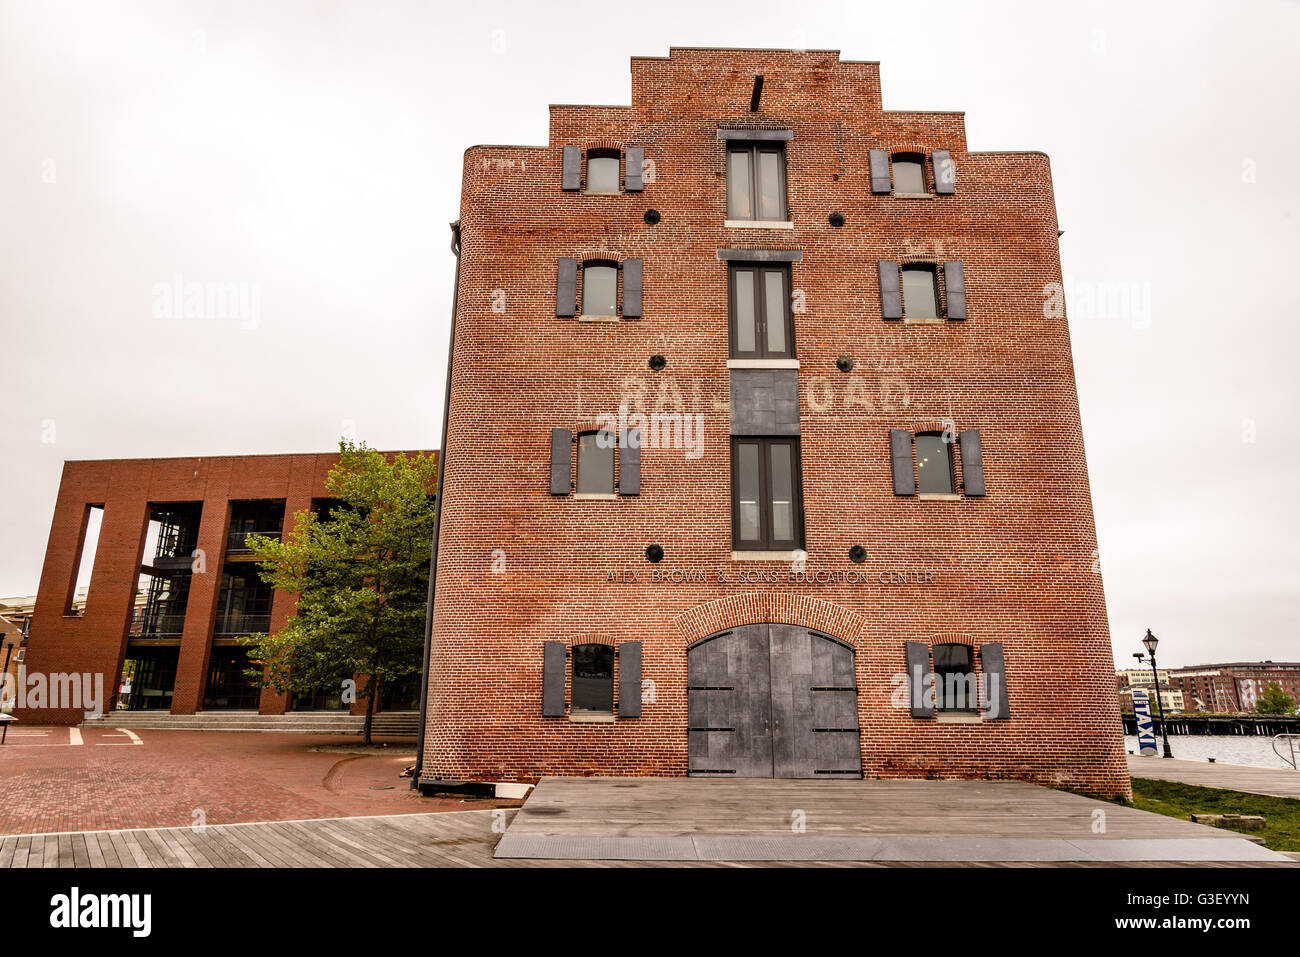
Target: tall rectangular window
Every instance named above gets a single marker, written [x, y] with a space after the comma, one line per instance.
[600, 288]
[909, 174]
[593, 679]
[954, 679]
[934, 464]
[756, 182]
[920, 292]
[766, 494]
[596, 463]
[91, 523]
[761, 326]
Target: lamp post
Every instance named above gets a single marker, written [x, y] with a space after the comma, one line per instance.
[1150, 642]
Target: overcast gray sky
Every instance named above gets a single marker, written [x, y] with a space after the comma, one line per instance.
[313, 150]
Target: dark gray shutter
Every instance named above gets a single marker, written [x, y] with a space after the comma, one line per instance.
[945, 180]
[994, 667]
[629, 465]
[553, 679]
[629, 679]
[634, 164]
[566, 287]
[572, 176]
[879, 171]
[561, 461]
[631, 288]
[954, 285]
[918, 666]
[972, 462]
[891, 292]
[900, 453]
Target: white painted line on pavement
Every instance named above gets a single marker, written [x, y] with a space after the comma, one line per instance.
[74, 736]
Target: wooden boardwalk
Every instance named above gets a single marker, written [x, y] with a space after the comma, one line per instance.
[726, 823]
[693, 819]
[1234, 777]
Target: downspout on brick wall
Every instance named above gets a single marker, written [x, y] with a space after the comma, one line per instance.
[437, 519]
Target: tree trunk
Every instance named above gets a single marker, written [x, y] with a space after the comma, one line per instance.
[370, 705]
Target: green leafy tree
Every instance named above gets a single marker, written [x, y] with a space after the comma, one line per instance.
[361, 574]
[1275, 701]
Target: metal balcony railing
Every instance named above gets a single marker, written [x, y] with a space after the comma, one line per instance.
[237, 542]
[242, 624]
[158, 626]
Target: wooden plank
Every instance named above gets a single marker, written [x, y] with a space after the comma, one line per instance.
[194, 848]
[253, 852]
[22, 852]
[107, 851]
[130, 840]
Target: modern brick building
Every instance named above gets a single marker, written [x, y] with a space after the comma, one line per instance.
[1234, 686]
[763, 418]
[159, 623]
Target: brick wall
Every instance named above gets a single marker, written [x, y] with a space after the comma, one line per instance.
[1015, 567]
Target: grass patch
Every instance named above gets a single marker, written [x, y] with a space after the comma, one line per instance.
[1281, 833]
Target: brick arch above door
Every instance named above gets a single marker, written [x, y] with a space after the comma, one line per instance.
[751, 608]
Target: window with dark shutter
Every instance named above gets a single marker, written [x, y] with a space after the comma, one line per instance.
[634, 174]
[955, 688]
[918, 679]
[766, 494]
[566, 287]
[571, 175]
[599, 288]
[904, 469]
[593, 679]
[553, 679]
[879, 163]
[629, 679]
[954, 286]
[945, 179]
[561, 461]
[631, 288]
[909, 174]
[920, 291]
[596, 463]
[756, 181]
[933, 464]
[891, 292]
[629, 462]
[761, 323]
[602, 171]
[993, 666]
[972, 463]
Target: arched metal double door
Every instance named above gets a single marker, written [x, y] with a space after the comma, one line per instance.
[772, 701]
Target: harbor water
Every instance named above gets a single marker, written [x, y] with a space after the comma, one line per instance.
[1249, 749]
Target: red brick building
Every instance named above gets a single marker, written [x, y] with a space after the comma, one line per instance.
[762, 425]
[1235, 686]
[172, 583]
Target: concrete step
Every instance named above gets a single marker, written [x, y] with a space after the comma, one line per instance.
[393, 723]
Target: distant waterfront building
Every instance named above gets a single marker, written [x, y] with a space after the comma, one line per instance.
[1171, 698]
[1234, 686]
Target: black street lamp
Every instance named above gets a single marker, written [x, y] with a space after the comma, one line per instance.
[1150, 642]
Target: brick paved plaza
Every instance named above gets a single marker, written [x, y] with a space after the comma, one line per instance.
[71, 779]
